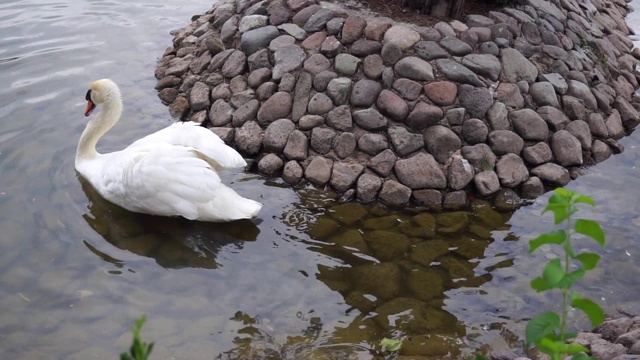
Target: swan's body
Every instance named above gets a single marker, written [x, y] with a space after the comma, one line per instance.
[170, 173]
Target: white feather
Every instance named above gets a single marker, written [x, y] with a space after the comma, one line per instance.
[170, 173]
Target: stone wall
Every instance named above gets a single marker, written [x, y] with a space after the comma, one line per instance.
[501, 104]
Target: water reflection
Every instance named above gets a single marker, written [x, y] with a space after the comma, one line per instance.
[397, 272]
[172, 242]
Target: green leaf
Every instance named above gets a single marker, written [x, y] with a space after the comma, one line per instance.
[561, 212]
[588, 260]
[553, 237]
[553, 272]
[540, 326]
[594, 311]
[581, 356]
[592, 229]
[579, 198]
[539, 284]
[569, 278]
[549, 345]
[561, 195]
[573, 348]
[391, 344]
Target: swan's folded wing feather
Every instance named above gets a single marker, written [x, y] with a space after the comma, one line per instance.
[162, 180]
[193, 135]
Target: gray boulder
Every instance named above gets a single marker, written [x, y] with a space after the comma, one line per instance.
[276, 107]
[318, 172]
[457, 72]
[420, 171]
[369, 119]
[383, 163]
[537, 154]
[543, 94]
[476, 100]
[297, 146]
[414, 68]
[511, 170]
[372, 144]
[459, 173]
[270, 164]
[345, 175]
[253, 40]
[480, 157]
[566, 149]
[529, 125]
[322, 139]
[552, 174]
[474, 131]
[340, 118]
[403, 141]
[320, 104]
[516, 67]
[487, 183]
[395, 194]
[505, 141]
[248, 138]
[392, 105]
[484, 65]
[365, 93]
[287, 59]
[367, 187]
[580, 129]
[441, 142]
[344, 145]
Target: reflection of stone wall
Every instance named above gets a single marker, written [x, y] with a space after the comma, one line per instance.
[496, 105]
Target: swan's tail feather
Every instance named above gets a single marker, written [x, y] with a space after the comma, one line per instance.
[228, 205]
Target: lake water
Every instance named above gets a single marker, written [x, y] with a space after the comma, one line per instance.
[75, 272]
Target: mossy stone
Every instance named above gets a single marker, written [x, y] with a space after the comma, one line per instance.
[381, 223]
[348, 213]
[363, 302]
[469, 248]
[350, 239]
[480, 231]
[412, 316]
[379, 210]
[322, 228]
[457, 268]
[430, 346]
[387, 245]
[421, 225]
[425, 284]
[381, 280]
[485, 214]
[360, 330]
[453, 222]
[426, 252]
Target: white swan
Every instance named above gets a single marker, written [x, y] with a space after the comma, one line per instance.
[170, 173]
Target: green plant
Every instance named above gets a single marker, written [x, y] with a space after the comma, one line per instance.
[547, 331]
[139, 350]
[391, 345]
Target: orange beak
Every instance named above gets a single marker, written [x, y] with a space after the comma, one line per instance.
[90, 107]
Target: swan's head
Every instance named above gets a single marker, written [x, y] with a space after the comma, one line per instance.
[101, 91]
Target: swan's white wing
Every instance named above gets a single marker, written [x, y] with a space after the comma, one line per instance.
[160, 180]
[191, 134]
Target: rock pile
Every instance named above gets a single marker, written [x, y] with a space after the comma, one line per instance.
[500, 104]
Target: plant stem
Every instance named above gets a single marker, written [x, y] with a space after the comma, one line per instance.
[565, 290]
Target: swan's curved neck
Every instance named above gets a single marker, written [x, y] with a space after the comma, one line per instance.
[98, 126]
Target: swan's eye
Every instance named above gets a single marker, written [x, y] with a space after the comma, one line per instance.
[88, 97]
